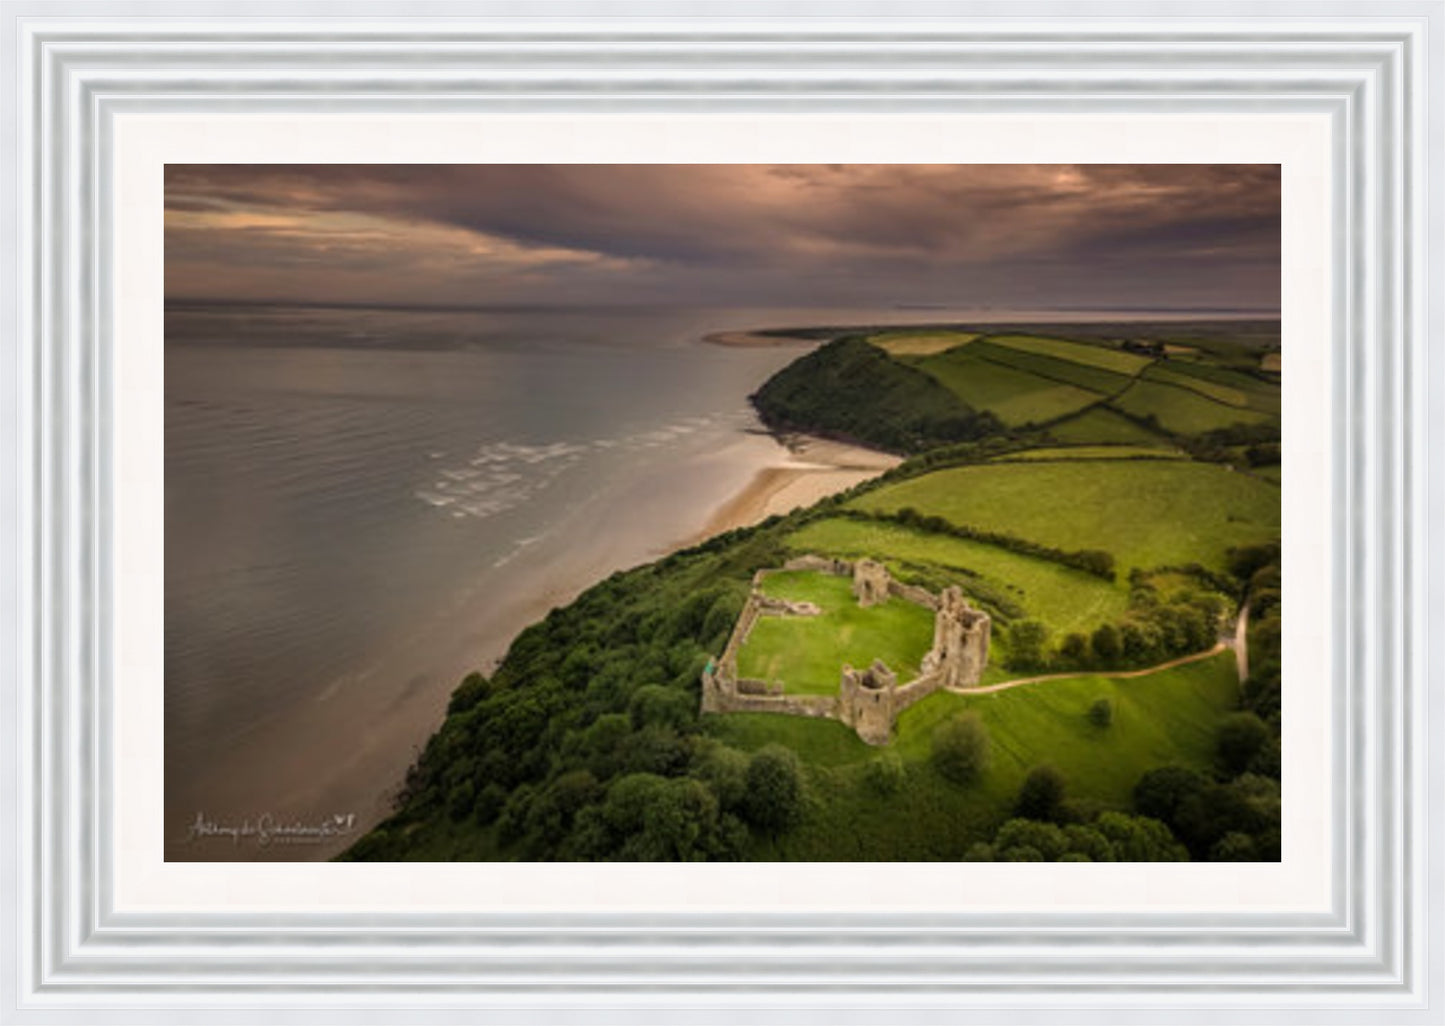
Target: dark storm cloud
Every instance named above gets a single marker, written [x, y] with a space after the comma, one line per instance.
[1084, 234]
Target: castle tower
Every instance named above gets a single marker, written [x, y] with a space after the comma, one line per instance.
[866, 700]
[870, 582]
[960, 641]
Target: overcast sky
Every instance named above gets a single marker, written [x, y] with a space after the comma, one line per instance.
[1133, 236]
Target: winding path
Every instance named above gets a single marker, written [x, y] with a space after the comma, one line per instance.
[1219, 647]
[1241, 641]
[1238, 642]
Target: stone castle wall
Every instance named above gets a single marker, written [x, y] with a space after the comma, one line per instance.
[868, 700]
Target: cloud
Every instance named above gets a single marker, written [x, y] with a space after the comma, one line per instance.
[796, 234]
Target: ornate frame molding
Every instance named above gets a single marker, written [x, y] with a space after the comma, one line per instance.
[1373, 71]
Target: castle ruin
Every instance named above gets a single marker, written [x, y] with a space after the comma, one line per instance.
[868, 700]
[870, 583]
[960, 641]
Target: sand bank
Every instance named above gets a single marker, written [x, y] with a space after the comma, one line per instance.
[752, 339]
[807, 469]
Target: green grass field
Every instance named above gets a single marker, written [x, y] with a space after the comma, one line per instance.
[1146, 512]
[1100, 425]
[1116, 360]
[807, 653]
[1064, 598]
[1164, 718]
[1236, 352]
[1257, 394]
[1216, 390]
[1053, 368]
[1015, 397]
[1181, 410]
[920, 343]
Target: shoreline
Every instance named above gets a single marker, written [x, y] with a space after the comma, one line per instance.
[757, 340]
[808, 469]
[390, 705]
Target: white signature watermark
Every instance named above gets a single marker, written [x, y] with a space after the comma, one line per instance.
[267, 829]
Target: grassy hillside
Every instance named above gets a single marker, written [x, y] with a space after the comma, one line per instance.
[1015, 396]
[1064, 598]
[1146, 512]
[1089, 376]
[1106, 357]
[920, 343]
[1096, 390]
[854, 390]
[1169, 718]
[1182, 411]
[1099, 425]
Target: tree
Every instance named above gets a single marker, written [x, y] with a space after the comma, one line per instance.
[774, 799]
[1248, 805]
[662, 706]
[1159, 792]
[1106, 644]
[1140, 640]
[1026, 641]
[473, 688]
[1101, 713]
[1138, 839]
[1086, 841]
[1074, 650]
[1042, 795]
[1244, 560]
[1024, 840]
[885, 773]
[1096, 561]
[725, 770]
[647, 818]
[1234, 847]
[961, 747]
[1242, 736]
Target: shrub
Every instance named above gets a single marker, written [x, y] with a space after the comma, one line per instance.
[1106, 644]
[1074, 650]
[961, 747]
[1101, 713]
[1026, 640]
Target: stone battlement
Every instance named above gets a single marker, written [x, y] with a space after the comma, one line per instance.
[868, 700]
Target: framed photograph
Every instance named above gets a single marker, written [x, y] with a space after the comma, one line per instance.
[644, 514]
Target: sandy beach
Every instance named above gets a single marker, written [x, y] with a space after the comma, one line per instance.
[755, 339]
[807, 469]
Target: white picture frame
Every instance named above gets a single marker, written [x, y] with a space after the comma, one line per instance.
[1370, 72]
